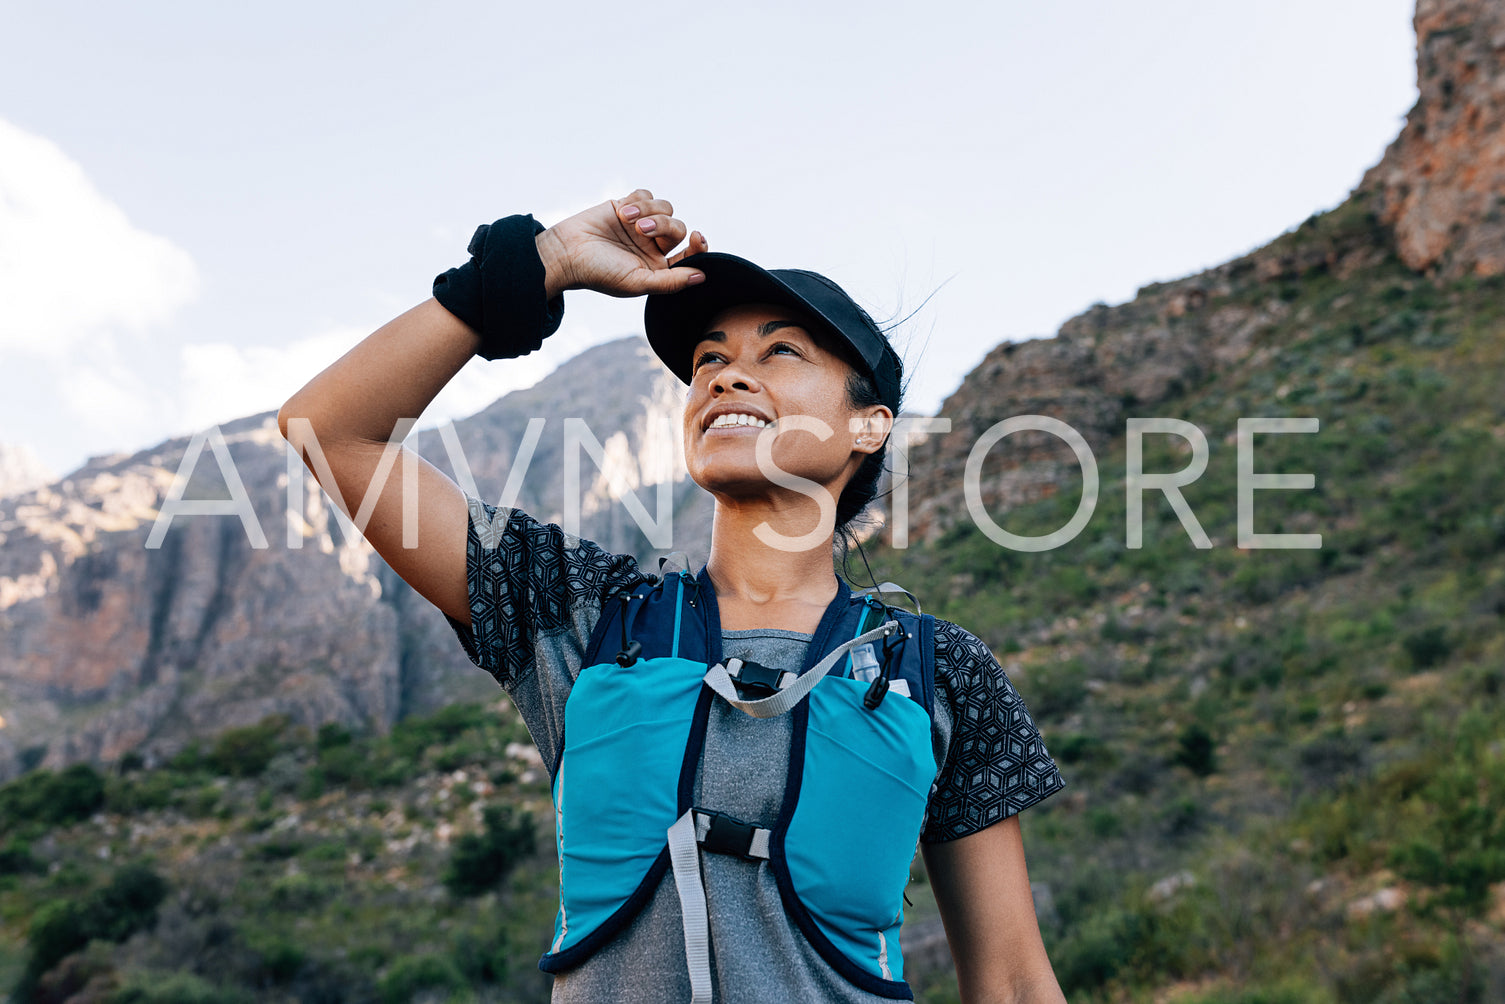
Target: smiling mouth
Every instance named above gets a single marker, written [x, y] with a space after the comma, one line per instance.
[738, 421]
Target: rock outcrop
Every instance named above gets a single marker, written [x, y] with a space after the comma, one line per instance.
[1441, 185]
[1112, 363]
[110, 645]
[21, 470]
[1436, 200]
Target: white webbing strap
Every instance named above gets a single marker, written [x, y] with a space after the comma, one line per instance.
[771, 707]
[684, 855]
[890, 589]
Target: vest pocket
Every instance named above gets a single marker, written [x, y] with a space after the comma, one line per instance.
[616, 793]
[864, 784]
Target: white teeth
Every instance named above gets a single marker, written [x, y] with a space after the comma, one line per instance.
[736, 419]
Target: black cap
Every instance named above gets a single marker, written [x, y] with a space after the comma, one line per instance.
[675, 322]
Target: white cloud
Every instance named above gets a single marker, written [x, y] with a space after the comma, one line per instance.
[73, 269]
[221, 382]
[615, 188]
[107, 401]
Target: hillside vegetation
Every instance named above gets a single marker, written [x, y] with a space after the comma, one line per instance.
[1286, 767]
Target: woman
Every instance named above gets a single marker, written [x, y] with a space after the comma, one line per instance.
[726, 825]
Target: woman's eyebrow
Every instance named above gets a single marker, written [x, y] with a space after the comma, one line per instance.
[764, 330]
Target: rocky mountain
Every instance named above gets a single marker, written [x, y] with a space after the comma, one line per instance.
[1441, 185]
[1286, 780]
[21, 470]
[112, 644]
[1435, 200]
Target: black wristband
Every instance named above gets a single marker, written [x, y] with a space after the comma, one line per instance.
[500, 292]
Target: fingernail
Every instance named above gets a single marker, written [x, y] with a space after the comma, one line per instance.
[695, 279]
[631, 213]
[647, 226]
[699, 237]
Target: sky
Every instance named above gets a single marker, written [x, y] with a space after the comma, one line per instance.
[201, 205]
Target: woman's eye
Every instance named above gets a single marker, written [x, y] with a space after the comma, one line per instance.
[707, 357]
[782, 347]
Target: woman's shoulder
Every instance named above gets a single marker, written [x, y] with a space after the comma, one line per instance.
[966, 670]
[509, 549]
[494, 527]
[957, 649]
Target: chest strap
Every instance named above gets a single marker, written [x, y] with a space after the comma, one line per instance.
[757, 678]
[719, 680]
[722, 834]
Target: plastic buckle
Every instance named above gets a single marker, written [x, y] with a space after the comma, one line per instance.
[758, 678]
[728, 835]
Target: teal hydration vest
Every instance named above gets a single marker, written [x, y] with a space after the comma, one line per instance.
[857, 782]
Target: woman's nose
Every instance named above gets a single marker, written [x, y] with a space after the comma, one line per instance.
[734, 376]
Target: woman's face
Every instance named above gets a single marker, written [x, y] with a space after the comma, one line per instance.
[758, 372]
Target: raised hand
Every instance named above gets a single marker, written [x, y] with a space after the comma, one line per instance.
[620, 248]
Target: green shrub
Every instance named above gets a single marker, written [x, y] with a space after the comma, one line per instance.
[276, 849]
[1094, 953]
[245, 752]
[1458, 845]
[1428, 647]
[299, 892]
[281, 959]
[74, 794]
[1077, 747]
[141, 792]
[346, 764]
[61, 927]
[1264, 995]
[481, 958]
[1197, 751]
[412, 973]
[479, 862]
[174, 988]
[1056, 690]
[16, 859]
[332, 735]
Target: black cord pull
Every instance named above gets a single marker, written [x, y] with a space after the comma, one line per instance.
[631, 649]
[879, 688]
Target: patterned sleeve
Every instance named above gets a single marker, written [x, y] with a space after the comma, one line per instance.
[996, 764]
[535, 591]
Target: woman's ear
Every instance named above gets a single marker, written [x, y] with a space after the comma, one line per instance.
[870, 428]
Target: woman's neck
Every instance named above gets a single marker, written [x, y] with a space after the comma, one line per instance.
[761, 578]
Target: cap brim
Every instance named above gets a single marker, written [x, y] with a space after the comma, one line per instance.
[676, 322]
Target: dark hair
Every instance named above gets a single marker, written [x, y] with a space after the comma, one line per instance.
[862, 392]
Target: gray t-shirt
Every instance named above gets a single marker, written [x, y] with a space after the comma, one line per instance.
[536, 595]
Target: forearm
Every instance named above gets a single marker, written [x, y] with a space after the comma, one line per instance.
[982, 887]
[342, 421]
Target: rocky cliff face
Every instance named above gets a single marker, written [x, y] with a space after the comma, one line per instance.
[21, 470]
[110, 645]
[1113, 363]
[1441, 185]
[1437, 199]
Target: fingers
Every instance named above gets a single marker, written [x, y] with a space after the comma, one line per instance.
[651, 222]
[667, 232]
[698, 243]
[671, 280]
[646, 217]
[642, 203]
